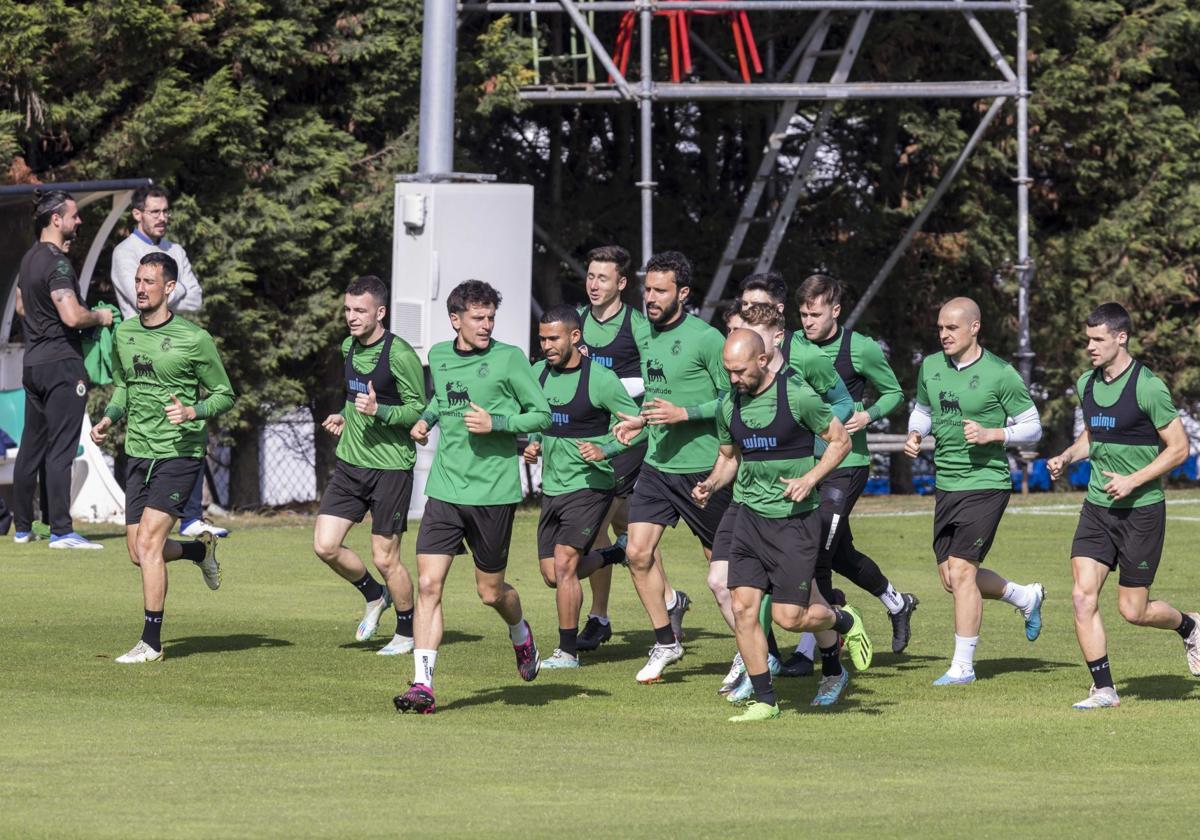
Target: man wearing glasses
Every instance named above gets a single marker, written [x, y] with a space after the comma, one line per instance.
[150, 215]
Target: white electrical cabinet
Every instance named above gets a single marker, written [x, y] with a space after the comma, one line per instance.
[445, 233]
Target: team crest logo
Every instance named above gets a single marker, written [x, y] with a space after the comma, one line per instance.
[974, 383]
[142, 365]
[176, 496]
[166, 345]
[677, 347]
[937, 377]
[654, 371]
[129, 340]
[484, 371]
[949, 403]
[456, 393]
[80, 388]
[442, 366]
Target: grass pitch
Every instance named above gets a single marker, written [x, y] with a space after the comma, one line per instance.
[266, 718]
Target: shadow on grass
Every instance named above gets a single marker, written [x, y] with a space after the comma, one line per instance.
[189, 645]
[449, 637]
[903, 661]
[798, 695]
[1161, 687]
[988, 668]
[524, 695]
[635, 645]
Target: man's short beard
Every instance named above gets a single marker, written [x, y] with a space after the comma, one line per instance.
[668, 313]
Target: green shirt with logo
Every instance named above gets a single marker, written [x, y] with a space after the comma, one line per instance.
[1154, 399]
[382, 442]
[474, 469]
[759, 484]
[152, 364]
[681, 364]
[563, 469]
[989, 391]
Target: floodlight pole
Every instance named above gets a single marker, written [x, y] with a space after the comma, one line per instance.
[1024, 263]
[435, 155]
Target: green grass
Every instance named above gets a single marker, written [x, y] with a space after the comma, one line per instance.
[267, 719]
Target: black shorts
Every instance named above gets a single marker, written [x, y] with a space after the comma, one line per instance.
[778, 556]
[160, 483]
[664, 498]
[965, 522]
[627, 466]
[1129, 537]
[352, 491]
[487, 529]
[722, 547]
[839, 493]
[572, 519]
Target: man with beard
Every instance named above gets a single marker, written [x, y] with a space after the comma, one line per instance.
[151, 214]
[53, 375]
[613, 334]
[767, 430]
[577, 478]
[681, 367]
[161, 364]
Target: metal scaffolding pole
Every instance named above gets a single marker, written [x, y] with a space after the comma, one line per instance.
[1024, 263]
[820, 91]
[439, 39]
[598, 48]
[646, 185]
[919, 222]
[551, 6]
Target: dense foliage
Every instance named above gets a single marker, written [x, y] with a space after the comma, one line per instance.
[279, 125]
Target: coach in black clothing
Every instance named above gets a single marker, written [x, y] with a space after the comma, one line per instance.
[53, 376]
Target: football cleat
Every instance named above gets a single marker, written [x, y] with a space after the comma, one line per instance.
[140, 653]
[370, 620]
[418, 698]
[660, 657]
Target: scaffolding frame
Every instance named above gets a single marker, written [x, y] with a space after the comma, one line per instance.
[437, 108]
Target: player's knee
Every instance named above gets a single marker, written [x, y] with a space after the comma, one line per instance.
[490, 594]
[744, 612]
[550, 575]
[328, 553]
[565, 567]
[640, 558]
[719, 585]
[1134, 613]
[429, 588]
[1085, 602]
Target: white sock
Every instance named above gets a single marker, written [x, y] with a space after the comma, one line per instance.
[519, 632]
[1019, 596]
[672, 601]
[892, 599]
[423, 662]
[603, 619]
[964, 655]
[807, 646]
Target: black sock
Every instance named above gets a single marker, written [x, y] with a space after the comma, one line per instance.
[611, 555]
[1101, 675]
[764, 691]
[842, 621]
[193, 550]
[369, 587]
[664, 635]
[831, 662]
[152, 629]
[404, 622]
[1186, 626]
[567, 638]
[772, 645]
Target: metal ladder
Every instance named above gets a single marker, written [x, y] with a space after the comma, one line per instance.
[780, 216]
